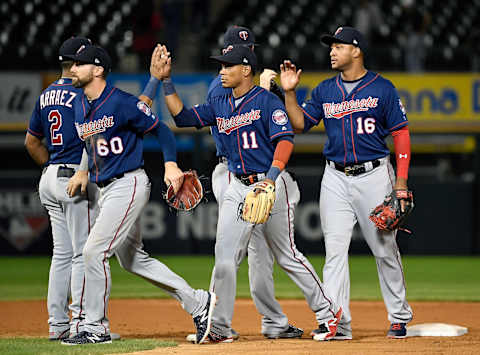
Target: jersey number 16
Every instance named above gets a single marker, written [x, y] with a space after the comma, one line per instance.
[366, 125]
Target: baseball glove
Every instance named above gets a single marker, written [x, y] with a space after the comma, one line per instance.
[258, 203]
[389, 216]
[188, 196]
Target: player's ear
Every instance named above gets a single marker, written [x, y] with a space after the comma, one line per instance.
[357, 52]
[98, 71]
[247, 69]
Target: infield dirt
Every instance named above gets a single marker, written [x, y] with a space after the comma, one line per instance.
[165, 319]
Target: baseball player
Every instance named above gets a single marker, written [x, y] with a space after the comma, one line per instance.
[260, 259]
[359, 109]
[112, 123]
[258, 138]
[71, 217]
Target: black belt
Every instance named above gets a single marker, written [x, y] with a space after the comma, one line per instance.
[65, 171]
[249, 179]
[355, 169]
[107, 182]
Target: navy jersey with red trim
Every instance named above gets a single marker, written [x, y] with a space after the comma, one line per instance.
[250, 130]
[357, 123]
[112, 128]
[53, 118]
[215, 90]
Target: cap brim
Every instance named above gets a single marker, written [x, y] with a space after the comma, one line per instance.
[223, 59]
[66, 57]
[329, 39]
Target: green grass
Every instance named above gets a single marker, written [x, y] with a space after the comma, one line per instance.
[41, 346]
[429, 278]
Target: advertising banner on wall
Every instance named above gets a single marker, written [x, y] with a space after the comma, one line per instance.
[24, 227]
[18, 94]
[435, 102]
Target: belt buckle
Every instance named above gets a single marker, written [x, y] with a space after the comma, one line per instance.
[349, 170]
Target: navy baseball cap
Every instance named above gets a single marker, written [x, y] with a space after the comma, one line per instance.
[238, 35]
[347, 35]
[69, 48]
[237, 54]
[94, 55]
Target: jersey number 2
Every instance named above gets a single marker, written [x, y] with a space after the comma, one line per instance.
[55, 137]
[366, 125]
[253, 139]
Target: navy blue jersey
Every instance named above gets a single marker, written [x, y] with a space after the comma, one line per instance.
[112, 127]
[356, 123]
[217, 90]
[53, 118]
[248, 131]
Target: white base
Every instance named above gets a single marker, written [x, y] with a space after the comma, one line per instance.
[115, 336]
[435, 330]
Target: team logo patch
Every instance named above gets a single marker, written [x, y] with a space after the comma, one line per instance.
[243, 35]
[279, 117]
[142, 106]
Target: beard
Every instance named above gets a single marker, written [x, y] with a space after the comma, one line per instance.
[82, 82]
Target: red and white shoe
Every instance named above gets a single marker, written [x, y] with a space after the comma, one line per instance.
[328, 330]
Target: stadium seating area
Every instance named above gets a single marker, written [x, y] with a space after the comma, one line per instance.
[292, 29]
[32, 30]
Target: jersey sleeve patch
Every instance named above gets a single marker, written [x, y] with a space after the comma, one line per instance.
[142, 106]
[279, 117]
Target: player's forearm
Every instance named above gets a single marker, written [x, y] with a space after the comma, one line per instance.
[146, 99]
[36, 149]
[84, 162]
[281, 156]
[172, 100]
[401, 141]
[168, 144]
[150, 91]
[294, 111]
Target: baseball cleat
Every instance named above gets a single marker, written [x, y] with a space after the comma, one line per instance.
[59, 335]
[397, 331]
[219, 338]
[204, 320]
[342, 336]
[192, 338]
[327, 331]
[290, 332]
[88, 338]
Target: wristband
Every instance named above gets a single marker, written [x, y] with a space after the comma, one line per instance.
[168, 87]
[151, 89]
[273, 173]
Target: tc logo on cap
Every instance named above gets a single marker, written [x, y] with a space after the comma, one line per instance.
[338, 30]
[243, 35]
[97, 61]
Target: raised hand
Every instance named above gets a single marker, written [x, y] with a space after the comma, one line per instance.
[289, 75]
[265, 78]
[161, 63]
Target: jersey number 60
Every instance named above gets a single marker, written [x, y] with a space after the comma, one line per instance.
[115, 146]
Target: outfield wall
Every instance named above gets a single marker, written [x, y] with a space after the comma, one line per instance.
[439, 223]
